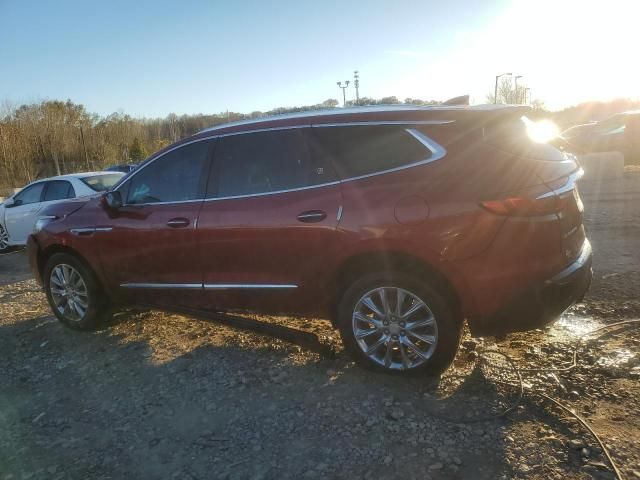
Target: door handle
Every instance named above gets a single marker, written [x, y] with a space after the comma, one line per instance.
[178, 222]
[312, 216]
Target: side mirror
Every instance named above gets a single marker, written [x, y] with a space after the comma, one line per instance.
[9, 202]
[113, 200]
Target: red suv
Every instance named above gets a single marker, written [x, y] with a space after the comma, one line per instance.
[397, 223]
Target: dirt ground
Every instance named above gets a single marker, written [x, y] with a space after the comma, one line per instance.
[155, 395]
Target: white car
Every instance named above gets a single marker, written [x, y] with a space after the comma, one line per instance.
[20, 211]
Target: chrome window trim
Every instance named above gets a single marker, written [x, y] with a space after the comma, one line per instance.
[337, 182]
[246, 286]
[437, 152]
[383, 122]
[569, 185]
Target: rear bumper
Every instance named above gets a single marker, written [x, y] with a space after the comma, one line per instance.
[543, 303]
[32, 252]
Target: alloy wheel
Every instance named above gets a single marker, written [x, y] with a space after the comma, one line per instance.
[395, 328]
[69, 292]
[4, 239]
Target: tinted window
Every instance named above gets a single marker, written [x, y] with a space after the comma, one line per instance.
[100, 183]
[360, 150]
[58, 190]
[31, 194]
[263, 162]
[176, 176]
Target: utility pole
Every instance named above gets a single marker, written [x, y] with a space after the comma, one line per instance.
[517, 92]
[344, 95]
[356, 83]
[495, 95]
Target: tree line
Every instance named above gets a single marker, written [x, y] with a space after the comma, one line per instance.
[54, 137]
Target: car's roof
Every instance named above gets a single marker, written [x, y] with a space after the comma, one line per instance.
[81, 175]
[435, 113]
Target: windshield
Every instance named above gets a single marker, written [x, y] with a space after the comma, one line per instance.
[100, 183]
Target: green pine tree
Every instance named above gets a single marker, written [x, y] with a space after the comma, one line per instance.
[137, 151]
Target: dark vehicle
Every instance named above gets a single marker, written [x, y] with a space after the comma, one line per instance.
[620, 132]
[125, 168]
[397, 223]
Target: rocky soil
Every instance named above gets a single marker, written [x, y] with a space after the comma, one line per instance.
[155, 395]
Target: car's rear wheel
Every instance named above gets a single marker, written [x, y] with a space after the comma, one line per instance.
[73, 292]
[397, 323]
[4, 240]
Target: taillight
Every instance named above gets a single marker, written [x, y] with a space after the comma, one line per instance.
[522, 206]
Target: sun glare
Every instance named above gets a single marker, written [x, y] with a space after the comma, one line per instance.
[541, 131]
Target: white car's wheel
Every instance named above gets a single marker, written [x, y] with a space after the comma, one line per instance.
[4, 240]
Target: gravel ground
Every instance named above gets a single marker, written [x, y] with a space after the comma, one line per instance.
[155, 395]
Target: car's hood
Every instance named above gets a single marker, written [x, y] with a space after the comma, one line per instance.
[66, 208]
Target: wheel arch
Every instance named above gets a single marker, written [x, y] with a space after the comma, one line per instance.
[48, 252]
[391, 261]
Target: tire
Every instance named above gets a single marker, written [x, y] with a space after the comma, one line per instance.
[71, 286]
[4, 240]
[437, 341]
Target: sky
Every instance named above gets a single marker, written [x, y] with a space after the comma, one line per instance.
[150, 58]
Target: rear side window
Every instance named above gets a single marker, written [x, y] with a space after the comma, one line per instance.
[262, 162]
[58, 190]
[100, 183]
[362, 150]
[174, 177]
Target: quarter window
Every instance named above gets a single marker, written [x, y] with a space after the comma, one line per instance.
[362, 150]
[30, 194]
[58, 190]
[262, 162]
[174, 177]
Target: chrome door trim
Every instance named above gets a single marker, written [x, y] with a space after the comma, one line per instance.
[81, 231]
[246, 286]
[308, 187]
[207, 286]
[182, 286]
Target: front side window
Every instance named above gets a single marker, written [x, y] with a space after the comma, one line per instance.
[58, 190]
[176, 176]
[30, 194]
[362, 150]
[262, 162]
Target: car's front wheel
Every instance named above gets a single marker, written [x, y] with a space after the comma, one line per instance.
[397, 323]
[73, 292]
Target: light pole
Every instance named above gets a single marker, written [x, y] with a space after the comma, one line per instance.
[356, 83]
[495, 95]
[517, 93]
[344, 95]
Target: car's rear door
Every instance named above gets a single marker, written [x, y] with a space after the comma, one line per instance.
[22, 214]
[148, 247]
[268, 227]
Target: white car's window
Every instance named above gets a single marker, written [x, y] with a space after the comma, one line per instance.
[31, 194]
[58, 190]
[100, 183]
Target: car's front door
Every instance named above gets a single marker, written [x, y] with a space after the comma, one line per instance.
[23, 212]
[148, 247]
[268, 227]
